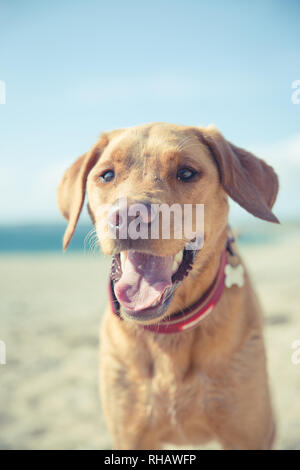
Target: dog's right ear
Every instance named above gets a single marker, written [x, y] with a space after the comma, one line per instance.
[71, 190]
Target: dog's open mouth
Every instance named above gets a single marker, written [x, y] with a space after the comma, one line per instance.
[144, 284]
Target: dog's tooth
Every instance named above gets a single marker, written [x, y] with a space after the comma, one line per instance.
[174, 266]
[179, 256]
[122, 259]
[177, 261]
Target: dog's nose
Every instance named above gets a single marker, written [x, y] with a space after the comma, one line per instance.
[144, 211]
[122, 213]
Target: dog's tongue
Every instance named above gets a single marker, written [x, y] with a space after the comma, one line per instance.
[144, 280]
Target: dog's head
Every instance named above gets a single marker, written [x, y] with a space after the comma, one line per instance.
[132, 175]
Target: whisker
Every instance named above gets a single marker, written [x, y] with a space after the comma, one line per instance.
[94, 245]
[90, 241]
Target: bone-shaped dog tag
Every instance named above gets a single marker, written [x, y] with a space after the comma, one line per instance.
[234, 275]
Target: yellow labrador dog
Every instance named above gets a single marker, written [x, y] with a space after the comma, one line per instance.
[182, 350]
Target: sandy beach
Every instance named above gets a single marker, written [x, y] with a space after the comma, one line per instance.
[51, 308]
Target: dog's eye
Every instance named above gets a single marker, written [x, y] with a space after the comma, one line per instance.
[107, 176]
[185, 174]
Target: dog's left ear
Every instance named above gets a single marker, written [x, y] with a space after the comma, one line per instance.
[71, 190]
[248, 180]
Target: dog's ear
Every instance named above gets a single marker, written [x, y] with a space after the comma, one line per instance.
[71, 190]
[248, 180]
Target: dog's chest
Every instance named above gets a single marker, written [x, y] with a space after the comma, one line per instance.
[180, 397]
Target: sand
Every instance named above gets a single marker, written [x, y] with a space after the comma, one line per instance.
[50, 311]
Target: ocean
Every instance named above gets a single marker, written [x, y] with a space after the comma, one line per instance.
[48, 237]
[40, 238]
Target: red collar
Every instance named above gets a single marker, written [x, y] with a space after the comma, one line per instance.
[190, 317]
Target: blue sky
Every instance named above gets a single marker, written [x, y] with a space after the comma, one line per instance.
[75, 68]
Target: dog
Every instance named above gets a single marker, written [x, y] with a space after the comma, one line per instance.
[182, 356]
